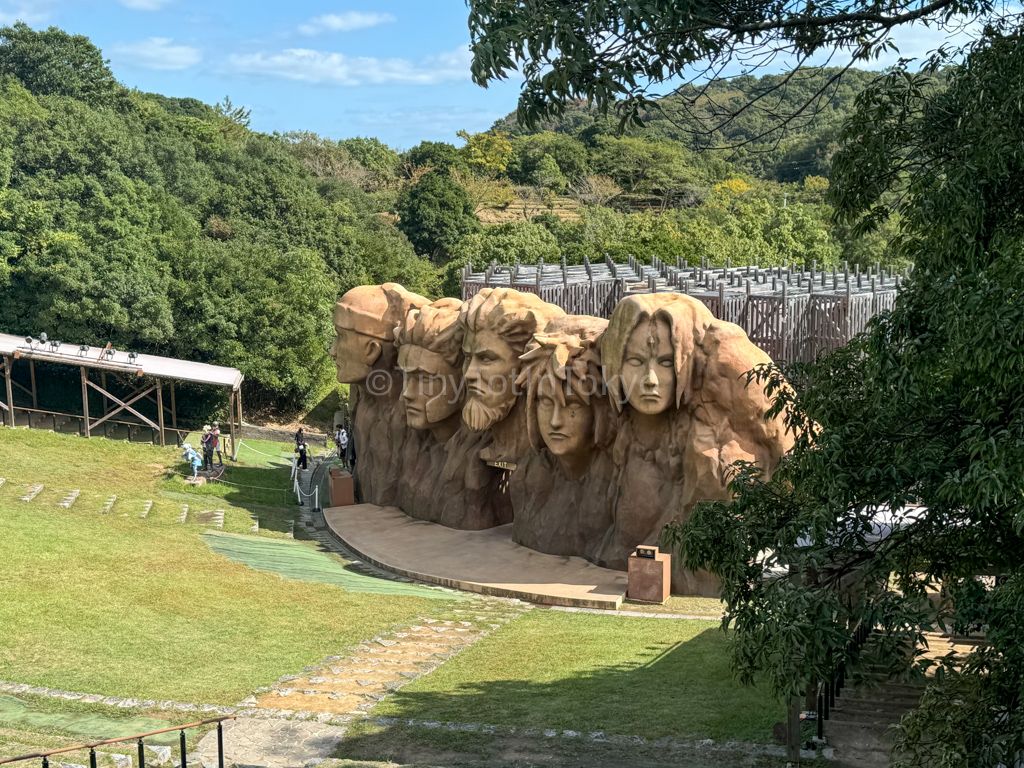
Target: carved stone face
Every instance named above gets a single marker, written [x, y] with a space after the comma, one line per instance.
[354, 354]
[567, 430]
[489, 371]
[430, 387]
[648, 368]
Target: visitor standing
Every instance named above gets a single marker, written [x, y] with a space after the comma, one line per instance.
[303, 451]
[350, 455]
[343, 445]
[300, 437]
[206, 442]
[215, 433]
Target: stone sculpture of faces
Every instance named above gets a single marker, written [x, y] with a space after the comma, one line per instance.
[648, 351]
[430, 356]
[496, 324]
[566, 409]
[364, 327]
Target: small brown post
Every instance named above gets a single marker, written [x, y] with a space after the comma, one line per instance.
[160, 410]
[793, 732]
[9, 413]
[35, 395]
[85, 400]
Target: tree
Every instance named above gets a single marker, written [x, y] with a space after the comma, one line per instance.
[438, 156]
[547, 174]
[435, 213]
[521, 241]
[924, 408]
[614, 54]
[56, 63]
[528, 151]
[487, 153]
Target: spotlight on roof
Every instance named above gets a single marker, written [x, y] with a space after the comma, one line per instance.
[133, 356]
[55, 345]
[110, 354]
[43, 337]
[83, 349]
[28, 340]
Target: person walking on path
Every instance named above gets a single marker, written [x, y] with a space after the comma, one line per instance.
[215, 440]
[302, 451]
[350, 455]
[300, 437]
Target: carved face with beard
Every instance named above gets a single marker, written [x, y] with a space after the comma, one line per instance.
[497, 323]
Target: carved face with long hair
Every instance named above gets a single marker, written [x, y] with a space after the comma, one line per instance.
[649, 351]
[497, 324]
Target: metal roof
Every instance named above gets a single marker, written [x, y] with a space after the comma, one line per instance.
[141, 365]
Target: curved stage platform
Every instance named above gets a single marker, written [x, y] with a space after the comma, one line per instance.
[488, 562]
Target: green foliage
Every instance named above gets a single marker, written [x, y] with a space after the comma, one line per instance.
[521, 241]
[548, 175]
[924, 408]
[569, 155]
[438, 156]
[487, 153]
[54, 63]
[435, 213]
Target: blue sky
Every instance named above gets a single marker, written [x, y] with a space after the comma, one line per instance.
[394, 69]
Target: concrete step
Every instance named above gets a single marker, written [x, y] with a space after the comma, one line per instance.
[883, 717]
[853, 737]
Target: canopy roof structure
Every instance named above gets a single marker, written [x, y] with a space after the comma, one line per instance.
[142, 375]
[119, 360]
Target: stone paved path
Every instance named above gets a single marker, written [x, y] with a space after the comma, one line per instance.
[271, 743]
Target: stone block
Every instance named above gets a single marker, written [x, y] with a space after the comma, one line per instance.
[650, 579]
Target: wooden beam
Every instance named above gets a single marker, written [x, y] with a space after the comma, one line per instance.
[231, 425]
[160, 409]
[126, 406]
[85, 399]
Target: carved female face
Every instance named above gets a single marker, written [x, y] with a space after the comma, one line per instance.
[566, 429]
[648, 368]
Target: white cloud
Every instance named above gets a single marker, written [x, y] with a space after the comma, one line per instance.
[144, 5]
[344, 22]
[32, 13]
[309, 66]
[156, 53]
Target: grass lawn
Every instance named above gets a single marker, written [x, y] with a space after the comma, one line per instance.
[123, 606]
[585, 672]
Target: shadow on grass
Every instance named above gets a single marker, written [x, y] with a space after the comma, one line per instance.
[672, 689]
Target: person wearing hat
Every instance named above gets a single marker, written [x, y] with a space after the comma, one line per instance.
[215, 439]
[207, 444]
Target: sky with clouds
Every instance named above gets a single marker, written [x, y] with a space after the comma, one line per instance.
[394, 69]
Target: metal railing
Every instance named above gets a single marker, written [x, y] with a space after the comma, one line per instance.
[141, 746]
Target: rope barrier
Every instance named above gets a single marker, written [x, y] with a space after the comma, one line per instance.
[236, 485]
[261, 453]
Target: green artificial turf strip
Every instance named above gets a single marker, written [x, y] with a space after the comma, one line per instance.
[15, 712]
[302, 563]
[124, 607]
[628, 676]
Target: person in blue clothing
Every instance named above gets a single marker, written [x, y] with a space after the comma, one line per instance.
[193, 459]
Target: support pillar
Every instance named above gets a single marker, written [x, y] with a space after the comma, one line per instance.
[160, 409]
[85, 400]
[174, 409]
[35, 395]
[9, 413]
[238, 401]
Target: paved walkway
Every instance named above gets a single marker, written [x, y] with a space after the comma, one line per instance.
[271, 743]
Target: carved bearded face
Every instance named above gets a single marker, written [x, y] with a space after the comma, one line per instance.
[648, 368]
[566, 429]
[430, 387]
[489, 371]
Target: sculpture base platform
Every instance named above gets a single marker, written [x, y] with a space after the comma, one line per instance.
[488, 562]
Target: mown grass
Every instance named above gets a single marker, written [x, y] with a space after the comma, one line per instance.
[621, 675]
[123, 606]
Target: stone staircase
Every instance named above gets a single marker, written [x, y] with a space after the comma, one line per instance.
[860, 722]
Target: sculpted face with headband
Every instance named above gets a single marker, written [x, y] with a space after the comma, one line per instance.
[430, 356]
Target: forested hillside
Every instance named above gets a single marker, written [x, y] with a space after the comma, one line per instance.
[168, 226]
